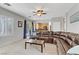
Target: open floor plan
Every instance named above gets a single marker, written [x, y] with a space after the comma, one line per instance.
[39, 28]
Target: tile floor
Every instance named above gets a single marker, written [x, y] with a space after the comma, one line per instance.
[17, 48]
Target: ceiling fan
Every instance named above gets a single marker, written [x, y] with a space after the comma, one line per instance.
[39, 12]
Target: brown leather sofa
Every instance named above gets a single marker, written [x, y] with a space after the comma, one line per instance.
[63, 40]
[46, 36]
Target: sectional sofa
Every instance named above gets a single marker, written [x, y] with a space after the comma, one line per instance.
[63, 40]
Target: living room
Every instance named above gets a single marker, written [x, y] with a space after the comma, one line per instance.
[52, 24]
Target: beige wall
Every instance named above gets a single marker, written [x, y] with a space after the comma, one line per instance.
[72, 27]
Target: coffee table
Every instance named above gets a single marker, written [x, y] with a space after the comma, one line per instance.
[35, 42]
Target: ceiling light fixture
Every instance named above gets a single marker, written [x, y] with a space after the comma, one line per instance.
[39, 12]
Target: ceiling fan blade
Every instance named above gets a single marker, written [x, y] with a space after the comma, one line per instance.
[44, 13]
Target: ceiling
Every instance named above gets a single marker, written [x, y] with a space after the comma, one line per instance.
[52, 9]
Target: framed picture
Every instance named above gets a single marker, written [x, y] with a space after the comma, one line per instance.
[19, 23]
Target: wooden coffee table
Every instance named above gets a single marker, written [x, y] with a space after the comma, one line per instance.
[36, 42]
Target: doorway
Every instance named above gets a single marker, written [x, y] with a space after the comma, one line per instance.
[25, 30]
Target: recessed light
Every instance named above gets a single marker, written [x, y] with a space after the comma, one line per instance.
[7, 4]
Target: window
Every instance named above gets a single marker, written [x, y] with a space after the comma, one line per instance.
[56, 26]
[6, 25]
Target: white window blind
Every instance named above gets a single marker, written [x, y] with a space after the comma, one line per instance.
[6, 25]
